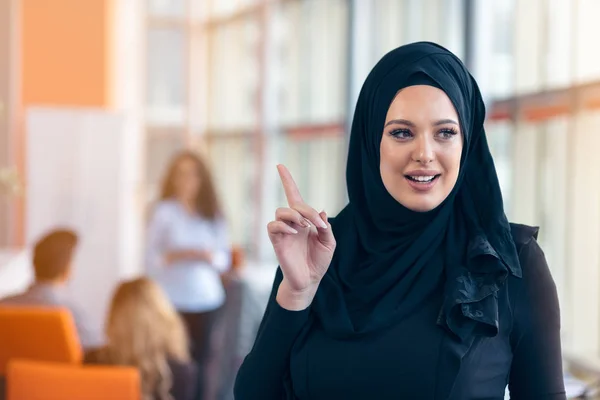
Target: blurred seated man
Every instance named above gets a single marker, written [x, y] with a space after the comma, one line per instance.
[52, 259]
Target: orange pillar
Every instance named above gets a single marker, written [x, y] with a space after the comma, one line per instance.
[66, 48]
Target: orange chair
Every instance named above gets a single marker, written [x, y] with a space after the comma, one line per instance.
[37, 380]
[41, 333]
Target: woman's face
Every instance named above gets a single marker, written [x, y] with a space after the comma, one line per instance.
[186, 180]
[420, 148]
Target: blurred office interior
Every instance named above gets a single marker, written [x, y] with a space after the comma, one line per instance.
[97, 95]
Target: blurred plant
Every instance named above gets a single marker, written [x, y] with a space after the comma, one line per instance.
[10, 183]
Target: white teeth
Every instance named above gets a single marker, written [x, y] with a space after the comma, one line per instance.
[422, 178]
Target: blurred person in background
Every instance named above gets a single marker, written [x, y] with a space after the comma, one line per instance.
[52, 265]
[143, 330]
[425, 291]
[188, 249]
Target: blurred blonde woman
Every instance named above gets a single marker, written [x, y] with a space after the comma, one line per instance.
[144, 330]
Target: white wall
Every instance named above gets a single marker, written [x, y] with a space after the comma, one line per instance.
[128, 99]
[15, 272]
[79, 174]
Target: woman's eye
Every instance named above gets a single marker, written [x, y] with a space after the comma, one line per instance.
[448, 133]
[401, 133]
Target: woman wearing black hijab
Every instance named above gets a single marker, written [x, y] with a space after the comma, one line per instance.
[426, 291]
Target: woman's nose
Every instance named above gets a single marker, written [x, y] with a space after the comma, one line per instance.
[423, 152]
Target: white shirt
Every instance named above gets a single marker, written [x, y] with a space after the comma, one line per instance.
[192, 286]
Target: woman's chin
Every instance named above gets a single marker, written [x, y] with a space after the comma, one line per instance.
[421, 203]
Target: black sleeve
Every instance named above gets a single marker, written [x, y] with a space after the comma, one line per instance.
[262, 373]
[536, 371]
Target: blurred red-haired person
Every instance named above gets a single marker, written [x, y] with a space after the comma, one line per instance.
[52, 266]
[188, 248]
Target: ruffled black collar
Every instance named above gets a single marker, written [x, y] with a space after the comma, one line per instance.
[470, 304]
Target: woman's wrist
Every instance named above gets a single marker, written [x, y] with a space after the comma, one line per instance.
[188, 255]
[207, 256]
[293, 300]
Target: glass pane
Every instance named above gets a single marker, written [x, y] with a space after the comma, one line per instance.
[161, 146]
[587, 33]
[388, 33]
[525, 146]
[559, 42]
[199, 82]
[315, 163]
[199, 9]
[232, 164]
[398, 22]
[583, 233]
[412, 20]
[325, 50]
[247, 3]
[222, 8]
[166, 77]
[166, 8]
[286, 60]
[431, 17]
[499, 136]
[502, 65]
[234, 77]
[452, 35]
[312, 61]
[529, 53]
[553, 199]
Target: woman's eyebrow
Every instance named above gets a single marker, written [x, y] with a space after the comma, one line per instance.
[412, 124]
[400, 122]
[445, 121]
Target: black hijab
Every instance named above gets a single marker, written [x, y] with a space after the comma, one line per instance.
[390, 259]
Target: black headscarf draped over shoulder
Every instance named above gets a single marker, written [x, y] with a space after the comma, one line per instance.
[390, 259]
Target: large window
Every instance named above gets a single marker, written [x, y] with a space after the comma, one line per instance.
[249, 84]
[396, 22]
[252, 83]
[549, 113]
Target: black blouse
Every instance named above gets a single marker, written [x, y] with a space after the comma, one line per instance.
[293, 358]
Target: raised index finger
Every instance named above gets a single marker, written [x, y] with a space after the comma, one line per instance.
[290, 188]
